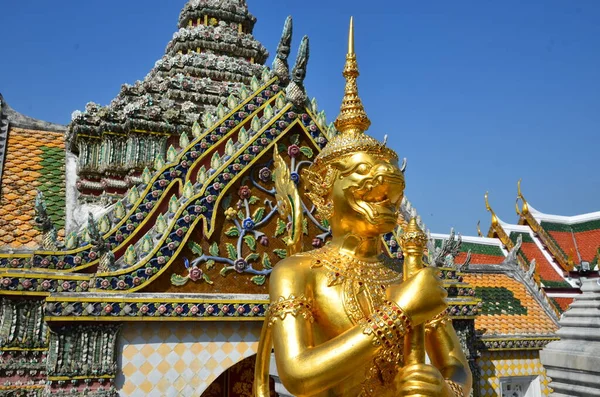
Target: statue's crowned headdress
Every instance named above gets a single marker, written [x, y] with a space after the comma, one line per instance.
[351, 124]
[352, 121]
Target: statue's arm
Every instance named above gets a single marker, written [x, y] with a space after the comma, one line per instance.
[443, 348]
[306, 369]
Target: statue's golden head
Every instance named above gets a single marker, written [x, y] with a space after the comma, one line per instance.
[356, 179]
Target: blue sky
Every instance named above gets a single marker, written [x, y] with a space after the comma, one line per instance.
[476, 94]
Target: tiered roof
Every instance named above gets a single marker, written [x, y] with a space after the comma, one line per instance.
[212, 56]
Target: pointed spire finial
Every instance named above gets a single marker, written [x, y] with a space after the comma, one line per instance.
[351, 37]
[352, 118]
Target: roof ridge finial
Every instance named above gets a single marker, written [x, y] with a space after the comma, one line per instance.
[352, 117]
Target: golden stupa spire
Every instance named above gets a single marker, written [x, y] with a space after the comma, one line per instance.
[352, 118]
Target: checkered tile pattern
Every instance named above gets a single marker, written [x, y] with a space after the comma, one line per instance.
[496, 365]
[180, 359]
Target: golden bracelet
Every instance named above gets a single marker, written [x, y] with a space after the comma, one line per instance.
[387, 325]
[456, 388]
[293, 305]
[438, 321]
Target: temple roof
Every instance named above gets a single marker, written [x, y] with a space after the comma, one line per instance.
[32, 158]
[211, 56]
[508, 307]
[34, 162]
[482, 250]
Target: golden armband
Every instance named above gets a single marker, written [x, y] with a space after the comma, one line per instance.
[387, 325]
[456, 388]
[293, 305]
[438, 321]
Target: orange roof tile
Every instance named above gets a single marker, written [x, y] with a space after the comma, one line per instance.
[29, 154]
[563, 303]
[587, 242]
[480, 259]
[533, 320]
[543, 267]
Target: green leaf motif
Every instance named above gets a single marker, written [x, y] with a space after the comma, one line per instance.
[250, 242]
[325, 223]
[226, 202]
[255, 124]
[252, 257]
[195, 248]
[173, 204]
[146, 176]
[280, 102]
[196, 129]
[215, 161]
[225, 270]
[220, 111]
[214, 249]
[305, 226]
[241, 215]
[243, 136]
[229, 147]
[207, 279]
[266, 261]
[171, 154]
[258, 214]
[253, 200]
[280, 253]
[254, 84]
[280, 227]
[307, 151]
[232, 101]
[210, 264]
[178, 280]
[259, 280]
[232, 232]
[295, 139]
[184, 141]
[231, 251]
[243, 92]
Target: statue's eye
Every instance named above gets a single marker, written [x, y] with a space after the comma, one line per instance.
[362, 169]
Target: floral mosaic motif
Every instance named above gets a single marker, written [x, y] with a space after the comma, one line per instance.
[42, 284]
[155, 309]
[203, 205]
[248, 252]
[150, 194]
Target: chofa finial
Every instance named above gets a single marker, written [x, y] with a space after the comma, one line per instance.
[353, 117]
[280, 63]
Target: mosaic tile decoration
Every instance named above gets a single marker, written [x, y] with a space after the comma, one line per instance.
[521, 315]
[180, 359]
[35, 160]
[496, 365]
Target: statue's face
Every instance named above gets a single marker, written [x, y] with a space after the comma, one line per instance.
[367, 194]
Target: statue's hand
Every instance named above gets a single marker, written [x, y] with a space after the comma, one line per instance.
[421, 380]
[421, 297]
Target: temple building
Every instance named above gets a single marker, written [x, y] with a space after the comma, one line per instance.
[136, 243]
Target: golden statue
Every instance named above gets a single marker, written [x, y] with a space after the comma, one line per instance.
[342, 321]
